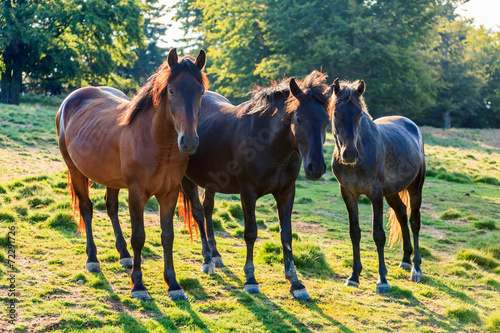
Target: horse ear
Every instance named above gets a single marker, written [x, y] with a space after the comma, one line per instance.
[337, 86]
[294, 89]
[201, 59]
[329, 91]
[361, 87]
[173, 59]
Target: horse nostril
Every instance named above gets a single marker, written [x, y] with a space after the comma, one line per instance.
[310, 167]
[182, 143]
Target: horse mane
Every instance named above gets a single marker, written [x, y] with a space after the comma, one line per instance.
[264, 98]
[267, 100]
[348, 93]
[154, 90]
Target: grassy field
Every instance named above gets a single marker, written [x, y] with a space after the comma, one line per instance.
[460, 241]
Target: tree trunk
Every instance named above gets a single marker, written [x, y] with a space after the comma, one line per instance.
[16, 85]
[447, 120]
[5, 85]
[11, 85]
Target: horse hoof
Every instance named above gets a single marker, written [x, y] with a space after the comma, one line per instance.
[218, 261]
[406, 266]
[127, 262]
[141, 295]
[301, 294]
[350, 283]
[252, 288]
[416, 276]
[177, 295]
[208, 268]
[382, 287]
[93, 267]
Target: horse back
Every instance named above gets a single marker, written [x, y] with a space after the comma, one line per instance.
[88, 125]
[404, 152]
[91, 101]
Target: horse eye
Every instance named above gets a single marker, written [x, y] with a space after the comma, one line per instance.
[170, 91]
[299, 121]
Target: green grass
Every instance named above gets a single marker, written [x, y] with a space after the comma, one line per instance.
[459, 246]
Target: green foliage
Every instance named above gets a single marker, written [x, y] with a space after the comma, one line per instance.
[416, 69]
[485, 225]
[38, 217]
[7, 217]
[450, 214]
[486, 180]
[69, 41]
[493, 322]
[62, 221]
[271, 252]
[482, 259]
[463, 314]
[235, 210]
[309, 257]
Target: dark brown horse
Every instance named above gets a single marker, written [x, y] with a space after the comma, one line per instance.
[141, 145]
[381, 158]
[254, 149]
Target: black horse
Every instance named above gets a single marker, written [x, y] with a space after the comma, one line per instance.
[254, 149]
[382, 158]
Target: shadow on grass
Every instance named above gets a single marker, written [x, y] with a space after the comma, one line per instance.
[269, 313]
[128, 322]
[313, 306]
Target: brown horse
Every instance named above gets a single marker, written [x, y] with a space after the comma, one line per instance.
[131, 144]
[381, 158]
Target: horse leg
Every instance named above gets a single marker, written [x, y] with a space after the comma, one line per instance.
[284, 200]
[400, 210]
[167, 208]
[351, 202]
[120, 243]
[191, 192]
[137, 200]
[248, 200]
[208, 207]
[81, 188]
[377, 200]
[415, 192]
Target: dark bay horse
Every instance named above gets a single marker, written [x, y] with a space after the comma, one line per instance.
[381, 158]
[254, 149]
[141, 145]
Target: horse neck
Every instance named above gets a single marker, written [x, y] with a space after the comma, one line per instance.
[283, 142]
[368, 134]
[155, 126]
[162, 126]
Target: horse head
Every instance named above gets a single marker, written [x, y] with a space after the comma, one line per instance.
[185, 88]
[309, 124]
[347, 119]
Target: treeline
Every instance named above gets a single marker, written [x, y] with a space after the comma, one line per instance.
[419, 58]
[55, 46]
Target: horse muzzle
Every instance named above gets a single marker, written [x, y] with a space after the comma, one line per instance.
[314, 171]
[188, 143]
[349, 156]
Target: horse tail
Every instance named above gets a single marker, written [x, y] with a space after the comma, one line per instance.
[395, 233]
[185, 213]
[75, 206]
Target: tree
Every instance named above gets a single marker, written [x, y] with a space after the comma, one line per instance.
[461, 59]
[71, 41]
[256, 41]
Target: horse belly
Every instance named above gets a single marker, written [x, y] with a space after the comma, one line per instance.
[96, 154]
